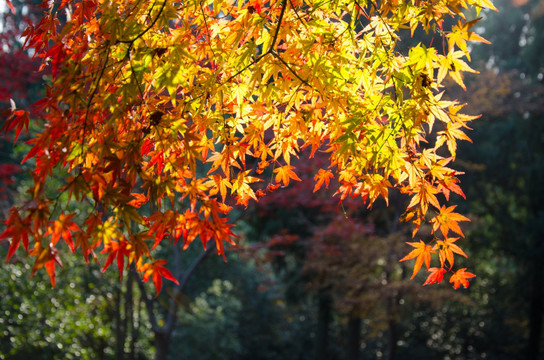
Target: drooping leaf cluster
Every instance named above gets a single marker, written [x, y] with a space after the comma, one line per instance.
[176, 109]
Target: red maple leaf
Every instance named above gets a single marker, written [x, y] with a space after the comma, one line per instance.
[45, 256]
[116, 250]
[17, 230]
[157, 271]
[436, 275]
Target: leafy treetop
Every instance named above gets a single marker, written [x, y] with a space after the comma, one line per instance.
[176, 109]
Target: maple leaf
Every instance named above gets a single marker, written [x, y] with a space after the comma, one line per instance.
[138, 201]
[460, 34]
[424, 194]
[455, 66]
[484, 4]
[448, 184]
[19, 119]
[460, 277]
[157, 271]
[82, 241]
[45, 256]
[446, 249]
[450, 136]
[285, 173]
[63, 227]
[10, 6]
[436, 275]
[422, 253]
[116, 250]
[17, 231]
[221, 184]
[322, 177]
[448, 220]
[241, 186]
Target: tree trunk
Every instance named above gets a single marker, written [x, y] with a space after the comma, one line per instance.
[129, 315]
[392, 341]
[162, 341]
[535, 316]
[323, 321]
[119, 331]
[354, 334]
[164, 333]
[392, 324]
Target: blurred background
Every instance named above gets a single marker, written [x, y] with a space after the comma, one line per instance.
[311, 279]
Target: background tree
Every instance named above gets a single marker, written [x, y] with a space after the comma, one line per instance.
[332, 256]
[506, 165]
[82, 319]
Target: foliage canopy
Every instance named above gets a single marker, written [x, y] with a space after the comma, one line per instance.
[178, 109]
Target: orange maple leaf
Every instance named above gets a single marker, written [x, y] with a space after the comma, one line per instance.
[422, 253]
[138, 201]
[322, 176]
[63, 228]
[460, 34]
[449, 136]
[285, 173]
[425, 195]
[448, 184]
[461, 278]
[448, 220]
[447, 248]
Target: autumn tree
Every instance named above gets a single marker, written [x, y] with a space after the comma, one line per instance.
[165, 114]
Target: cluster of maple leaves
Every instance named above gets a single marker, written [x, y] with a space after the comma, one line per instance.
[175, 110]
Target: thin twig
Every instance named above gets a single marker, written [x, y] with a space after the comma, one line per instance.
[290, 69]
[148, 28]
[270, 49]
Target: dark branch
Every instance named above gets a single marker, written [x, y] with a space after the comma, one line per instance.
[173, 306]
[280, 19]
[148, 304]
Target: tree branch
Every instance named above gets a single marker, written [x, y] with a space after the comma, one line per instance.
[290, 69]
[173, 306]
[280, 19]
[270, 49]
[148, 304]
